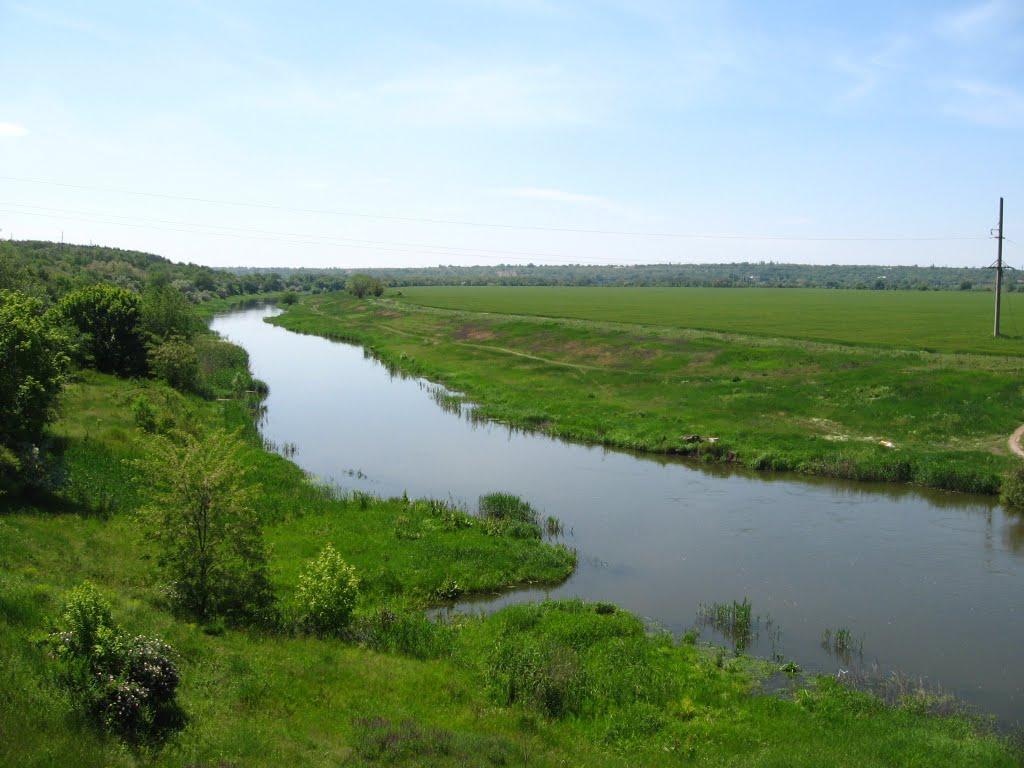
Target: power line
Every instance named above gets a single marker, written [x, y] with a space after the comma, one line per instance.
[327, 239]
[289, 241]
[489, 225]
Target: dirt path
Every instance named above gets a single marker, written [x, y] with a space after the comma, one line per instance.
[1014, 441]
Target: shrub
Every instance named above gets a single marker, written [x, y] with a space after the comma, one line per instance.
[327, 593]
[165, 313]
[86, 613]
[144, 414]
[33, 366]
[108, 318]
[1012, 491]
[127, 684]
[202, 519]
[362, 286]
[175, 362]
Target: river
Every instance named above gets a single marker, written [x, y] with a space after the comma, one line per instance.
[930, 583]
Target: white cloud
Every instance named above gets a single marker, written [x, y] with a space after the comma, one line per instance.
[12, 130]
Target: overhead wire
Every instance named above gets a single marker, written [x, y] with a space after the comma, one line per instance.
[490, 225]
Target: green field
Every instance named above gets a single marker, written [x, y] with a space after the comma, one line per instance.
[549, 685]
[855, 412]
[946, 321]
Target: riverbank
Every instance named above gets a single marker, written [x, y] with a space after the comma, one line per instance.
[555, 684]
[936, 420]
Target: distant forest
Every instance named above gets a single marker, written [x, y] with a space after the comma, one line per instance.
[55, 268]
[742, 275]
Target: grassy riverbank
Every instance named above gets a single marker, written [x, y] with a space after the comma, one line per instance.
[938, 420]
[555, 684]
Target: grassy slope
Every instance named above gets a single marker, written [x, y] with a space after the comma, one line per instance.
[944, 321]
[263, 700]
[781, 404]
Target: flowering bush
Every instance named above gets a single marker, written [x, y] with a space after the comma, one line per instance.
[127, 683]
[327, 593]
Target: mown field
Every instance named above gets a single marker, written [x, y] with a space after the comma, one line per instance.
[940, 420]
[946, 321]
[549, 685]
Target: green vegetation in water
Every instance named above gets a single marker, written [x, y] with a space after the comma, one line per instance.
[937, 420]
[734, 621]
[842, 644]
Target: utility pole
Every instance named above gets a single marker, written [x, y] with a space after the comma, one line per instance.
[999, 269]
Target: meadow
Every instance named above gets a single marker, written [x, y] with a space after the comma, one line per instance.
[941, 321]
[551, 684]
[856, 412]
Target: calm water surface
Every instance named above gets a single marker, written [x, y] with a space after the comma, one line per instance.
[933, 583]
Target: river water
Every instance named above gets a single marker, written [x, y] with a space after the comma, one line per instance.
[928, 583]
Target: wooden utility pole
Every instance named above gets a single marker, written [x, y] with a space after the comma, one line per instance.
[999, 269]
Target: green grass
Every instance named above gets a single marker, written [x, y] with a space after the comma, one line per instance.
[772, 403]
[945, 321]
[546, 685]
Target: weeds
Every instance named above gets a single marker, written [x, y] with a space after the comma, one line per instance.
[842, 645]
[732, 620]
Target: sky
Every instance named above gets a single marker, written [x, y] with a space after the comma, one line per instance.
[515, 131]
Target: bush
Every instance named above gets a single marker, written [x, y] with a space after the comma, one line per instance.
[127, 684]
[327, 593]
[144, 414]
[166, 313]
[362, 286]
[86, 614]
[1012, 492]
[33, 366]
[202, 519]
[175, 362]
[109, 320]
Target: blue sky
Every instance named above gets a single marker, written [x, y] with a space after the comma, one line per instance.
[344, 133]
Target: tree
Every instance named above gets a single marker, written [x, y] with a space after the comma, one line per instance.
[362, 286]
[33, 366]
[176, 362]
[204, 524]
[109, 319]
[166, 312]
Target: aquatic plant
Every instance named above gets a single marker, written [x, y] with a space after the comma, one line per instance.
[842, 644]
[734, 620]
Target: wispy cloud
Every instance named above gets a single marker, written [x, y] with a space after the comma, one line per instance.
[554, 195]
[975, 20]
[566, 197]
[986, 103]
[505, 97]
[867, 72]
[12, 130]
[71, 23]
